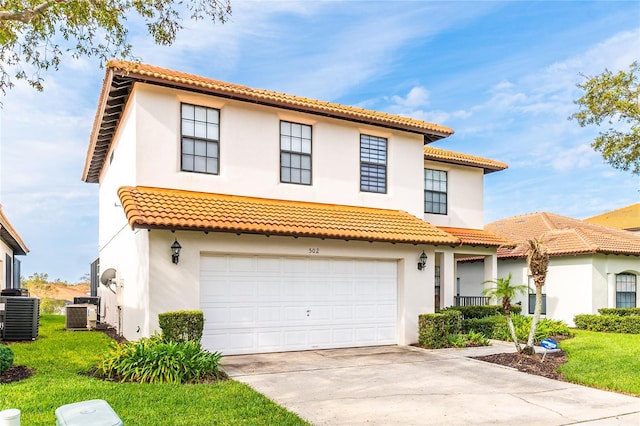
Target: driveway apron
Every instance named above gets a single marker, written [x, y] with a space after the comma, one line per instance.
[399, 385]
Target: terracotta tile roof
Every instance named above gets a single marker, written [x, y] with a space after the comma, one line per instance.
[121, 75]
[624, 218]
[438, 154]
[477, 237]
[563, 236]
[10, 236]
[147, 207]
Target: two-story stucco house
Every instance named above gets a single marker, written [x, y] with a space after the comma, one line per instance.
[11, 245]
[300, 224]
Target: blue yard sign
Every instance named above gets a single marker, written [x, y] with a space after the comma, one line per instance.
[549, 344]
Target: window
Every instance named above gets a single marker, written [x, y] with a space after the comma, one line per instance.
[295, 153]
[625, 291]
[200, 139]
[435, 191]
[373, 164]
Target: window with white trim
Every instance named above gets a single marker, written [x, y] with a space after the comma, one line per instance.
[373, 164]
[295, 153]
[200, 141]
[435, 191]
[626, 290]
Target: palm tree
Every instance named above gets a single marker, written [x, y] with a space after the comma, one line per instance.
[538, 261]
[505, 291]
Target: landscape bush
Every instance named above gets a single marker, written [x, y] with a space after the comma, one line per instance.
[6, 358]
[620, 311]
[155, 360]
[181, 326]
[626, 323]
[470, 312]
[52, 306]
[495, 327]
[434, 329]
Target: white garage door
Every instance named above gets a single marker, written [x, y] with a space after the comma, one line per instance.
[255, 304]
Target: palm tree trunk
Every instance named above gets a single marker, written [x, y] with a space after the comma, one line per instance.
[529, 349]
[512, 330]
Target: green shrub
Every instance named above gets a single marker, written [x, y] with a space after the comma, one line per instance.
[456, 340]
[154, 360]
[477, 339]
[51, 306]
[6, 358]
[470, 312]
[181, 326]
[496, 327]
[608, 323]
[434, 329]
[620, 311]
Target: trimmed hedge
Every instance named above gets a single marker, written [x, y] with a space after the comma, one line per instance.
[470, 312]
[181, 326]
[622, 312]
[434, 329]
[629, 324]
[6, 358]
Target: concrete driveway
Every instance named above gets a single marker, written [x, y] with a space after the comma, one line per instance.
[398, 385]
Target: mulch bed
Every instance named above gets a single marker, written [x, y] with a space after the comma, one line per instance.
[531, 364]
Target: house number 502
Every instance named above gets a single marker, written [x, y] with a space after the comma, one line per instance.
[314, 250]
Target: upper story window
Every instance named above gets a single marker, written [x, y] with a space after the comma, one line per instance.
[626, 291]
[295, 153]
[373, 164]
[435, 191]
[200, 142]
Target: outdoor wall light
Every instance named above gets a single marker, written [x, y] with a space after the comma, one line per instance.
[175, 251]
[423, 261]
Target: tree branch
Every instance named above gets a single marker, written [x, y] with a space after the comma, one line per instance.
[27, 15]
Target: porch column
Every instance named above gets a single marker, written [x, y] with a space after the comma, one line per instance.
[447, 279]
[490, 267]
[611, 290]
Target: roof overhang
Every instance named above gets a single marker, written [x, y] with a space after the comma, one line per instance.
[11, 237]
[160, 208]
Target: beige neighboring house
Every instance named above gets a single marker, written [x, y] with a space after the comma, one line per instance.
[591, 266]
[627, 218]
[296, 223]
[11, 245]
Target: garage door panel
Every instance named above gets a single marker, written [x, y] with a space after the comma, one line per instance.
[265, 304]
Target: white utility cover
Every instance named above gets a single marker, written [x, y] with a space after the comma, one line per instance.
[256, 304]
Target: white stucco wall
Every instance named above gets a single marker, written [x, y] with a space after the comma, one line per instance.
[464, 196]
[4, 251]
[176, 287]
[574, 285]
[250, 154]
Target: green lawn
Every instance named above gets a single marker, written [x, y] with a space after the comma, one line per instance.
[603, 360]
[60, 357]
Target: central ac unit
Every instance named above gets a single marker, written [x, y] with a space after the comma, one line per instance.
[19, 318]
[81, 317]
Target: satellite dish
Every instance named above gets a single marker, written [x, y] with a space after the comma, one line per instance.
[108, 277]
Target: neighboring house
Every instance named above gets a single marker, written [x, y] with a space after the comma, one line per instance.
[590, 267]
[300, 224]
[11, 245]
[627, 218]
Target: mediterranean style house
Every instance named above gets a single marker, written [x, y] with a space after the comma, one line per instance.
[11, 245]
[291, 223]
[590, 267]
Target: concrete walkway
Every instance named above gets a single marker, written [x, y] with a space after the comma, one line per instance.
[399, 385]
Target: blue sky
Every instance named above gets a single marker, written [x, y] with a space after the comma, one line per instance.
[501, 74]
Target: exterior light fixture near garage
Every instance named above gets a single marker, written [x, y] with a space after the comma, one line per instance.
[175, 251]
[423, 261]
